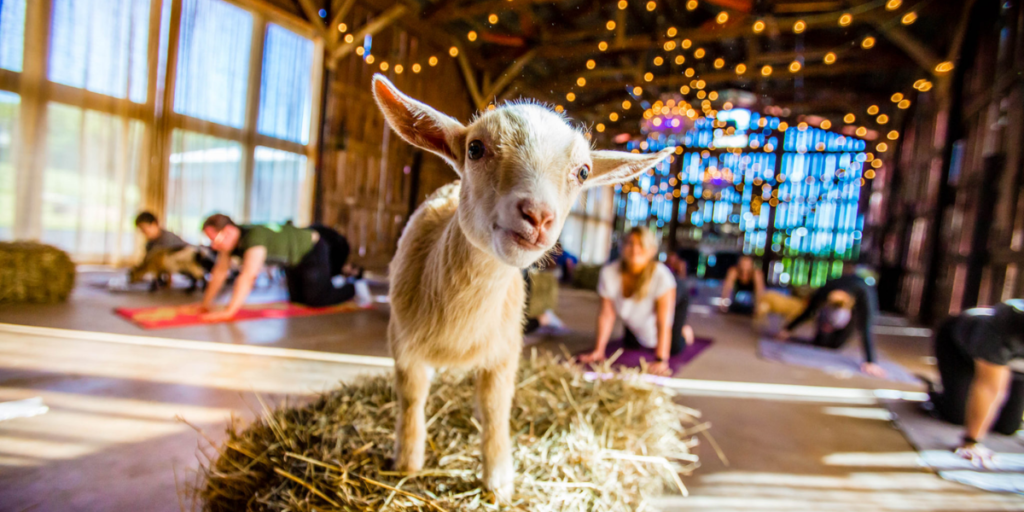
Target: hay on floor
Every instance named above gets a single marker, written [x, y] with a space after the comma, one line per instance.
[578, 445]
[34, 272]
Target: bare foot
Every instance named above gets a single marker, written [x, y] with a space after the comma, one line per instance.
[593, 357]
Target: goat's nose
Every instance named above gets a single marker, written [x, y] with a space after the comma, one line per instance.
[538, 215]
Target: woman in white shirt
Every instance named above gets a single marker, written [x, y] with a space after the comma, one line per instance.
[641, 291]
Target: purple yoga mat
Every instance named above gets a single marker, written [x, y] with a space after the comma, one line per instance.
[631, 356]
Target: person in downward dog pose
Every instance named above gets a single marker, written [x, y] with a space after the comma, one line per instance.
[457, 290]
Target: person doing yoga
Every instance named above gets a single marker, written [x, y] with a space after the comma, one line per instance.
[980, 357]
[310, 256]
[842, 306]
[644, 294]
[742, 288]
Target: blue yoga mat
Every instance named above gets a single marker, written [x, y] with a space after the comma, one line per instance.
[842, 362]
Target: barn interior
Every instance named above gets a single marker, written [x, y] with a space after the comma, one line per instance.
[817, 138]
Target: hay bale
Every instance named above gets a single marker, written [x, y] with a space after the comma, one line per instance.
[543, 293]
[585, 276]
[34, 272]
[578, 444]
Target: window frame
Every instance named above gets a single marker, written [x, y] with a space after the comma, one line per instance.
[37, 91]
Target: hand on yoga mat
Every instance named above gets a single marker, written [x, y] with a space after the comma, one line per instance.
[977, 453]
[660, 368]
[593, 357]
[783, 335]
[873, 370]
[217, 316]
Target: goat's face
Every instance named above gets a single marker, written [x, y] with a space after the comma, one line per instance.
[522, 167]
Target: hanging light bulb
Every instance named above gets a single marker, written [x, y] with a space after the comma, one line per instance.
[868, 42]
[766, 70]
[909, 18]
[799, 26]
[758, 26]
[845, 20]
[722, 17]
[741, 68]
[794, 66]
[830, 58]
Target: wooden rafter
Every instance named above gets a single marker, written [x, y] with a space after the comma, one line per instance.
[336, 20]
[313, 15]
[509, 75]
[379, 23]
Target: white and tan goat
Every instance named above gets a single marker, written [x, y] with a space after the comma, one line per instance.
[456, 288]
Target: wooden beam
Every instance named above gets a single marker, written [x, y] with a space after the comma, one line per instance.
[313, 15]
[921, 54]
[339, 16]
[470, 77]
[379, 23]
[509, 74]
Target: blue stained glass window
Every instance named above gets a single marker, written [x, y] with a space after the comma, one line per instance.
[12, 34]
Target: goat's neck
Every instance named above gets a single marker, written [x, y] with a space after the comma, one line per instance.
[460, 263]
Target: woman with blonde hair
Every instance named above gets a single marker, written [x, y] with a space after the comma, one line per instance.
[642, 292]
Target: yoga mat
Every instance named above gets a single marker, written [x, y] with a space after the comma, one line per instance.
[178, 316]
[935, 440]
[631, 357]
[841, 363]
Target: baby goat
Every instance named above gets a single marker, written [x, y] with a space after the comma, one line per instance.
[456, 288]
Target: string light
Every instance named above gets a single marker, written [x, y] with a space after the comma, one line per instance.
[892, 5]
[685, 44]
[684, 89]
[849, 118]
[658, 60]
[845, 20]
[830, 58]
[369, 59]
[637, 91]
[882, 119]
[909, 18]
[349, 38]
[794, 66]
[893, 135]
[688, 72]
[623, 4]
[861, 131]
[599, 128]
[699, 53]
[342, 27]
[432, 61]
[680, 60]
[882, 147]
[602, 46]
[701, 84]
[559, 109]
[691, 5]
[360, 51]
[651, 5]
[722, 17]
[591, 64]
[897, 97]
[670, 45]
[701, 95]
[868, 42]
[944, 67]
[626, 104]
[453, 51]
[766, 70]
[614, 116]
[492, 19]
[416, 68]
[741, 68]
[471, 35]
[384, 65]
[758, 26]
[719, 63]
[571, 97]
[825, 124]
[713, 95]
[648, 76]
[399, 69]
[799, 26]
[905, 104]
[872, 110]
[581, 81]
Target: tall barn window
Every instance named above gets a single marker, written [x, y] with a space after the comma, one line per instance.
[182, 107]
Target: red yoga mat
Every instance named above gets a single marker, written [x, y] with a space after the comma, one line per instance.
[163, 317]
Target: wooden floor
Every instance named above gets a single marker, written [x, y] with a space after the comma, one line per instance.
[116, 438]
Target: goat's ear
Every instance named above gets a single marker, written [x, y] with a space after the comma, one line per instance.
[612, 167]
[418, 123]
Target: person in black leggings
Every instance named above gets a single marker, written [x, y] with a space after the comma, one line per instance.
[842, 306]
[978, 355]
[743, 286]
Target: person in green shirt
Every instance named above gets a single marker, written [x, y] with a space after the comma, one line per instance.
[310, 256]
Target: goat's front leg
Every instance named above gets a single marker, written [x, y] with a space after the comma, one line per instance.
[412, 383]
[495, 387]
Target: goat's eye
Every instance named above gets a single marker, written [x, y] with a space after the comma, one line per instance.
[476, 150]
[583, 173]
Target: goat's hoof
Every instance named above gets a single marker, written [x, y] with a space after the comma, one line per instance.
[408, 464]
[500, 481]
